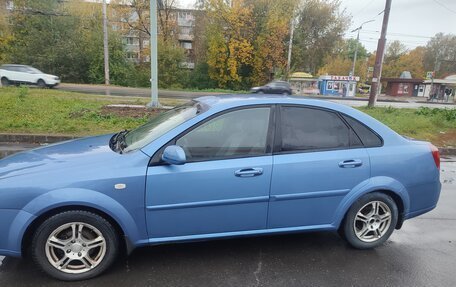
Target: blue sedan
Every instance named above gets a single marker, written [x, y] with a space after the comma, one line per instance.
[216, 167]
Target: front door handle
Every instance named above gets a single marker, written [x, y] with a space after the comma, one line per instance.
[248, 172]
[351, 163]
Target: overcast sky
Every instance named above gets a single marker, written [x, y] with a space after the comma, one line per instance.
[411, 21]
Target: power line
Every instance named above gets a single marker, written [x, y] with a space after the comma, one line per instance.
[397, 34]
[362, 9]
[444, 6]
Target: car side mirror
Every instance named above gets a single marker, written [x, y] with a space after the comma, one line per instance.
[174, 154]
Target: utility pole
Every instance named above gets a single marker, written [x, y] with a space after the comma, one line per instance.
[357, 45]
[379, 58]
[153, 56]
[105, 43]
[290, 45]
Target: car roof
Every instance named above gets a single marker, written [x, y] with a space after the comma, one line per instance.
[251, 99]
[13, 65]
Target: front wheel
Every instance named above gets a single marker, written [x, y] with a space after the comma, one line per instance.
[370, 221]
[41, 84]
[75, 245]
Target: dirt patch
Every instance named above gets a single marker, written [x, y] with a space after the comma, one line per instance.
[447, 139]
[131, 112]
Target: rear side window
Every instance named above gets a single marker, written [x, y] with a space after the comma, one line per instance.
[312, 129]
[367, 136]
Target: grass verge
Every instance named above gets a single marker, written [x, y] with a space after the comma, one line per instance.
[36, 111]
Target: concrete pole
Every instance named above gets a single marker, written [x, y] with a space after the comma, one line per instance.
[105, 44]
[154, 103]
[376, 77]
[290, 46]
[356, 53]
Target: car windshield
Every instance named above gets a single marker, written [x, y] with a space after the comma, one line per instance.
[158, 126]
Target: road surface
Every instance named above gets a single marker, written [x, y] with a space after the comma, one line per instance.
[143, 92]
[422, 253]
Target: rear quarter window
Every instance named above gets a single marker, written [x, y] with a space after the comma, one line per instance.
[368, 137]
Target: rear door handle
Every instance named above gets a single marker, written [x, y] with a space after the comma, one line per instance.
[248, 172]
[351, 163]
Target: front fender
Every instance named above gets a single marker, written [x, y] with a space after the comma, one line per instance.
[371, 185]
[71, 197]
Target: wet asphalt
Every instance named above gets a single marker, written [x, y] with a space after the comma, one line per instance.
[422, 253]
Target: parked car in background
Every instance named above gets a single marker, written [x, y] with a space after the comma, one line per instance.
[274, 87]
[23, 74]
[215, 167]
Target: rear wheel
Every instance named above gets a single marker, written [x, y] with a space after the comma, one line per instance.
[370, 221]
[75, 245]
[5, 82]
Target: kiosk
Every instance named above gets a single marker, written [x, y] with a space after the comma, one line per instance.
[343, 86]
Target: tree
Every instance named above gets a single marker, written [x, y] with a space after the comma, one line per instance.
[321, 25]
[340, 62]
[230, 34]
[272, 20]
[441, 54]
[5, 33]
[394, 51]
[349, 47]
[411, 61]
[65, 38]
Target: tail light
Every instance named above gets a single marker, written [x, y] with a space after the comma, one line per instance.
[435, 155]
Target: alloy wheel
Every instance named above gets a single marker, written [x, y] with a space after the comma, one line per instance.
[372, 221]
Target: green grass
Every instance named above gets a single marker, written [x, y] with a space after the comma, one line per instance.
[29, 110]
[24, 110]
[435, 125]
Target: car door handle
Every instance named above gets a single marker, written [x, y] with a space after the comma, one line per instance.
[248, 172]
[351, 163]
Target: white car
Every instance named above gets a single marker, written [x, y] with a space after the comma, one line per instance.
[22, 74]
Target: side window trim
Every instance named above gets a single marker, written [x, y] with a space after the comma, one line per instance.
[277, 148]
[155, 160]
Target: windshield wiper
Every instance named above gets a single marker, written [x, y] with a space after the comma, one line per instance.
[117, 142]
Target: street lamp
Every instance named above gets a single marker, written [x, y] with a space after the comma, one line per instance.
[357, 44]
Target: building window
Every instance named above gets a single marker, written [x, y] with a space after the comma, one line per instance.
[132, 55]
[131, 41]
[186, 45]
[186, 30]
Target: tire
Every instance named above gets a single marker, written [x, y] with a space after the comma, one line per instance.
[58, 242]
[260, 92]
[5, 82]
[370, 221]
[41, 84]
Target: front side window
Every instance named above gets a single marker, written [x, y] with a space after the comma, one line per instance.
[161, 124]
[237, 133]
[312, 129]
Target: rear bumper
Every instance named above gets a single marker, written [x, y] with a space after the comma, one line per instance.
[13, 224]
[423, 199]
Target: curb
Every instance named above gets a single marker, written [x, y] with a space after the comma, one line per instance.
[31, 138]
[447, 151]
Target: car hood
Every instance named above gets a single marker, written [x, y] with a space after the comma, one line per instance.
[69, 154]
[46, 75]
